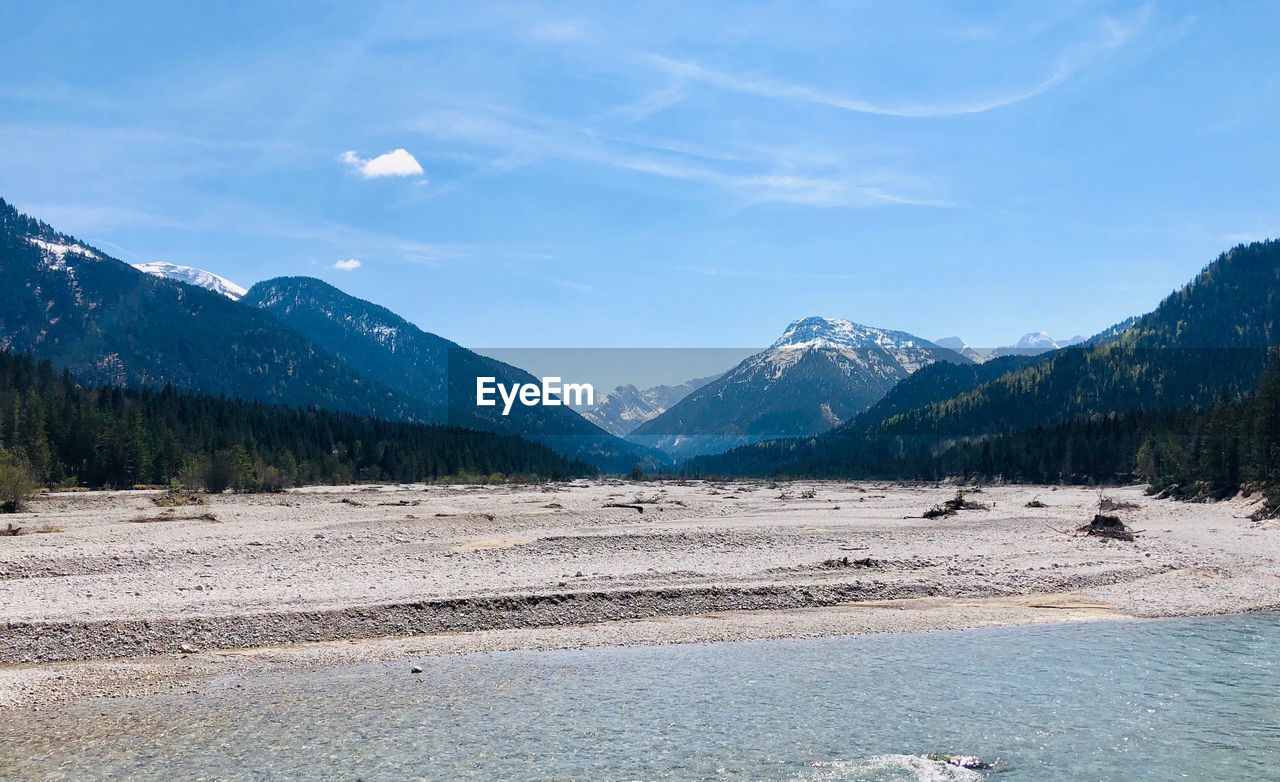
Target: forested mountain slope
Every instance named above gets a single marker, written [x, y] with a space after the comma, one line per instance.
[1207, 340]
[112, 324]
[437, 374]
[68, 433]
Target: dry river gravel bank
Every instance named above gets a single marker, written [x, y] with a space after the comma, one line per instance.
[111, 593]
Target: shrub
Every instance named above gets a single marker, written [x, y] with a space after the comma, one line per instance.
[271, 480]
[17, 483]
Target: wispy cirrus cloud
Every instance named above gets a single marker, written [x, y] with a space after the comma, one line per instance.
[556, 31]
[649, 104]
[769, 274]
[577, 287]
[522, 140]
[1112, 33]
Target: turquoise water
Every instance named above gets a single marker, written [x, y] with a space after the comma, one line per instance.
[1177, 699]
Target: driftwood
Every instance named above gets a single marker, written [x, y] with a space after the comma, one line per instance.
[639, 508]
[177, 498]
[1108, 504]
[1111, 527]
[843, 562]
[953, 506]
[170, 517]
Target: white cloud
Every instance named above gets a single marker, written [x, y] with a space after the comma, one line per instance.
[348, 265]
[397, 162]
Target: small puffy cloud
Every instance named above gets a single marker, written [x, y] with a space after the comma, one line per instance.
[347, 265]
[397, 162]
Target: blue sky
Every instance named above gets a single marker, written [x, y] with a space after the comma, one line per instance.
[682, 174]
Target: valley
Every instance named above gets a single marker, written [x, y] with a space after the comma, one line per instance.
[766, 392]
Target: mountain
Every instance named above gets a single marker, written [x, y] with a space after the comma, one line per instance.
[626, 407]
[1112, 332]
[977, 355]
[191, 276]
[1036, 340]
[818, 374]
[1204, 341]
[937, 382]
[1035, 343]
[439, 375]
[1086, 412]
[111, 324]
[1031, 344]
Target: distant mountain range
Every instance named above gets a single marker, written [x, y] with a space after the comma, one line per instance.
[626, 407]
[291, 341]
[301, 341]
[834, 396]
[818, 374]
[1030, 344]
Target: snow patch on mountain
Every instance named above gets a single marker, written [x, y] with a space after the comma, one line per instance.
[192, 276]
[55, 253]
[376, 329]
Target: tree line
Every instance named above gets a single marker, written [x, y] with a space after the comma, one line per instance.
[63, 433]
[1208, 452]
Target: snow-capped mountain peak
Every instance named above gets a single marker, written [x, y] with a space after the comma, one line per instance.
[1040, 340]
[852, 340]
[840, 333]
[191, 276]
[1035, 343]
[1036, 339]
[819, 373]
